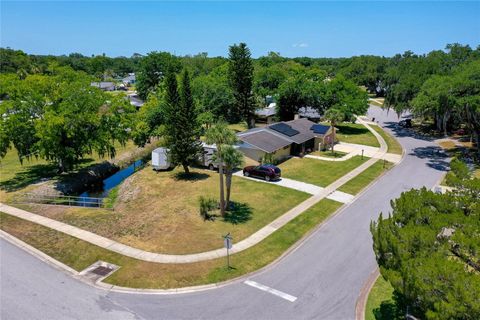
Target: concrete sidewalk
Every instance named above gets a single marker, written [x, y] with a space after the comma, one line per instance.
[252, 240]
[353, 149]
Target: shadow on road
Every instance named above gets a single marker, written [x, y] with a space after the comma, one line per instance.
[437, 159]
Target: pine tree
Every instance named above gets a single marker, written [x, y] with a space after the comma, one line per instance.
[240, 74]
[182, 130]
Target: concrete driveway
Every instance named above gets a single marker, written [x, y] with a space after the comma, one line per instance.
[302, 186]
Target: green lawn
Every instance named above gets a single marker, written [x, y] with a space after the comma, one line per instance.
[355, 133]
[363, 179]
[392, 143]
[79, 254]
[318, 172]
[238, 127]
[380, 303]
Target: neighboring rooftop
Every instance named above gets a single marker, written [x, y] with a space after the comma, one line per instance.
[103, 85]
[308, 112]
[268, 111]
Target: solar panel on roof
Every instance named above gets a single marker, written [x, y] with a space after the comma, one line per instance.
[320, 129]
[284, 129]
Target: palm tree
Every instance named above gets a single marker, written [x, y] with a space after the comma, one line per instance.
[220, 135]
[232, 158]
[334, 116]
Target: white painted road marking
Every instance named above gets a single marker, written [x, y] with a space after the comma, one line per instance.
[280, 294]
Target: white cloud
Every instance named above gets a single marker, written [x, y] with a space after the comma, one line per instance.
[300, 45]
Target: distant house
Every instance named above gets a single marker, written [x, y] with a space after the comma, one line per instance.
[129, 80]
[266, 114]
[135, 100]
[104, 85]
[309, 113]
[285, 139]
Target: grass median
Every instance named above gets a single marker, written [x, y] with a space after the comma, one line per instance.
[380, 303]
[392, 143]
[134, 273]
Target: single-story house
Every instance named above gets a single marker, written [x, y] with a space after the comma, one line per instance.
[104, 85]
[309, 113]
[129, 80]
[266, 114]
[284, 139]
[135, 100]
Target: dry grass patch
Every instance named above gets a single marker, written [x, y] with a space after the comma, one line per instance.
[159, 212]
[447, 145]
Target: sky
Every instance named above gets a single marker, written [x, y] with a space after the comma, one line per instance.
[314, 28]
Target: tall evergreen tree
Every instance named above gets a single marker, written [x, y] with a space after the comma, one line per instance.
[182, 130]
[240, 73]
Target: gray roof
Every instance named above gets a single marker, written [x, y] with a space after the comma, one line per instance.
[308, 112]
[264, 140]
[131, 77]
[270, 140]
[103, 84]
[135, 100]
[303, 127]
[267, 111]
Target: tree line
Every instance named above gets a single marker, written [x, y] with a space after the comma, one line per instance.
[442, 84]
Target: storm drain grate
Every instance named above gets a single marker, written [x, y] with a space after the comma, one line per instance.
[102, 271]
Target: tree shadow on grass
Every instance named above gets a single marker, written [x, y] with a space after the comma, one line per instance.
[238, 213]
[192, 176]
[30, 174]
[348, 130]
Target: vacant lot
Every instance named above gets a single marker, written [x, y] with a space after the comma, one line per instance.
[79, 254]
[318, 172]
[159, 212]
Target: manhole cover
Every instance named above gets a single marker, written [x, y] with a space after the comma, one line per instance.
[102, 271]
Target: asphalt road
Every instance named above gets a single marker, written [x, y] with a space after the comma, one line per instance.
[325, 274]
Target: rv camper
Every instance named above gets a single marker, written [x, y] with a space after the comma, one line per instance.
[160, 160]
[207, 156]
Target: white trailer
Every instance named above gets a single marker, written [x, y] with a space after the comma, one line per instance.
[206, 157]
[160, 159]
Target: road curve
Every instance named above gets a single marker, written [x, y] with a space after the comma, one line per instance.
[322, 277]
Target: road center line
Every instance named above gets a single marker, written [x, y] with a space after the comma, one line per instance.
[280, 294]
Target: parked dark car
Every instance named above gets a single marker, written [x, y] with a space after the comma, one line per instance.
[407, 123]
[265, 171]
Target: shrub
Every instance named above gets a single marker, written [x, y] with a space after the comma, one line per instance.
[269, 158]
[206, 205]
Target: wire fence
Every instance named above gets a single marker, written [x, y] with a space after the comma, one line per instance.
[61, 200]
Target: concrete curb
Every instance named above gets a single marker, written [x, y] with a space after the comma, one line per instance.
[364, 293]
